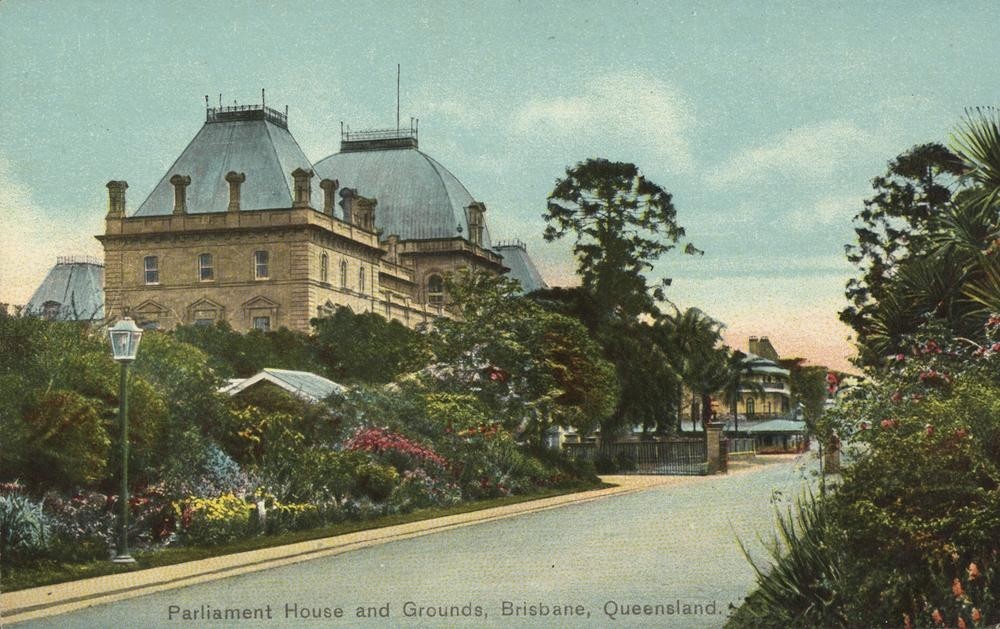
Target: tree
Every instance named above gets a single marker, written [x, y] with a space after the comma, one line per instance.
[928, 242]
[692, 341]
[367, 347]
[536, 369]
[622, 223]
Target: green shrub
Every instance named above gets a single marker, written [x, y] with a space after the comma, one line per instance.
[604, 464]
[375, 481]
[24, 529]
[804, 585]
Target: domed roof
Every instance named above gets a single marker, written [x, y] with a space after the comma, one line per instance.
[72, 291]
[418, 198]
[522, 267]
[250, 139]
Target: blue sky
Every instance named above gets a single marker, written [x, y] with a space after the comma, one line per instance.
[766, 121]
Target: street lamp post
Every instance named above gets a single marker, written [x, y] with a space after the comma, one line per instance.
[125, 336]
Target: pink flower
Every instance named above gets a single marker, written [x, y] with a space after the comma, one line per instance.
[973, 572]
[956, 588]
[900, 358]
[863, 426]
[929, 429]
[976, 615]
[888, 423]
[896, 396]
[937, 617]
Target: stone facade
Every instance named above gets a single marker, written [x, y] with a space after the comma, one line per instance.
[203, 256]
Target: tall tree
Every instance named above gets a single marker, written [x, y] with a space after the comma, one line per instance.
[622, 223]
[895, 224]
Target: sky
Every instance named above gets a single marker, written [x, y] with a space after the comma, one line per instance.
[765, 120]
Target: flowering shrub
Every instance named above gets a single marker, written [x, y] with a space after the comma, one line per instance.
[418, 489]
[916, 518]
[84, 523]
[400, 452]
[280, 517]
[375, 481]
[212, 521]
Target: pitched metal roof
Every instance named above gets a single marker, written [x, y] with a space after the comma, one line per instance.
[778, 425]
[516, 258]
[418, 198]
[74, 290]
[253, 140]
[304, 384]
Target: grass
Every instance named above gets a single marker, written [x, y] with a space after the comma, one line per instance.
[48, 572]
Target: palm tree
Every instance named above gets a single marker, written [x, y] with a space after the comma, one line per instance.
[692, 342]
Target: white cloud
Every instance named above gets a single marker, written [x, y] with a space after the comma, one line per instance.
[814, 154]
[828, 211]
[31, 237]
[632, 109]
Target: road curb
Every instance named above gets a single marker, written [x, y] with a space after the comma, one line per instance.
[60, 598]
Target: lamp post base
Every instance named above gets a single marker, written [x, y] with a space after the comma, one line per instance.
[122, 559]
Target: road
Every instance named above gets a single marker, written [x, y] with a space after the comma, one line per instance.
[663, 557]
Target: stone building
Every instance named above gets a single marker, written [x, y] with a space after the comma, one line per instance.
[244, 228]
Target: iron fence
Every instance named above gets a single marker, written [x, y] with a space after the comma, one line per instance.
[679, 457]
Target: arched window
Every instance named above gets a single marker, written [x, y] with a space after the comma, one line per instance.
[435, 290]
[343, 273]
[324, 268]
[361, 279]
[750, 406]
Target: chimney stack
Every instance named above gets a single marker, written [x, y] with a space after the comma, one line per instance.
[116, 199]
[303, 189]
[329, 187]
[235, 179]
[180, 184]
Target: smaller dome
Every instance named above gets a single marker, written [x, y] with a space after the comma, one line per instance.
[72, 291]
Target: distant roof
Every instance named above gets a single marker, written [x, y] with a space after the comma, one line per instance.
[759, 364]
[515, 256]
[304, 384]
[72, 291]
[251, 139]
[418, 198]
[778, 425]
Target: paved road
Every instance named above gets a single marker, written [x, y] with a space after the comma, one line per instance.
[670, 546]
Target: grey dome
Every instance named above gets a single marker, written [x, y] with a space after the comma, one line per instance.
[72, 291]
[417, 197]
[522, 268]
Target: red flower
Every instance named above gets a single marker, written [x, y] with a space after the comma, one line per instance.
[973, 572]
[956, 588]
[961, 433]
[900, 358]
[937, 617]
[929, 429]
[888, 423]
[976, 615]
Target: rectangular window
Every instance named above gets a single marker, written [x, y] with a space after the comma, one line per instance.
[260, 260]
[206, 273]
[262, 323]
[151, 267]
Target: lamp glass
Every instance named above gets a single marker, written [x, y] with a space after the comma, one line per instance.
[125, 336]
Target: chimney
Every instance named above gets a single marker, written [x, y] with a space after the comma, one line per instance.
[329, 187]
[235, 179]
[116, 199]
[180, 184]
[303, 189]
[348, 199]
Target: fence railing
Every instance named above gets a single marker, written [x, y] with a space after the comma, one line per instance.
[681, 457]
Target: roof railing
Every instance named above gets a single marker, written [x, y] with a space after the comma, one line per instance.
[246, 112]
[399, 133]
[79, 260]
[517, 243]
